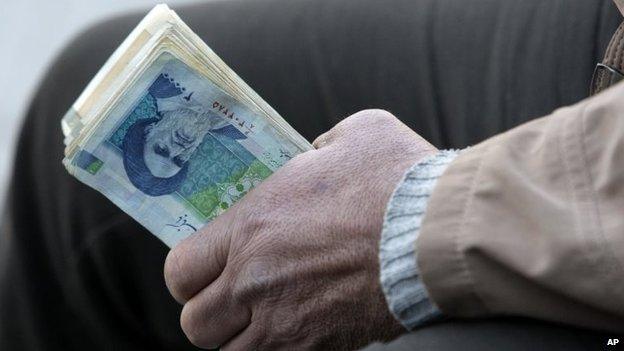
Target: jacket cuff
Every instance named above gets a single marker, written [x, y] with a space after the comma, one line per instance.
[441, 261]
[405, 293]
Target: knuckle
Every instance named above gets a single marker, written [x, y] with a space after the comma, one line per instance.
[287, 329]
[371, 116]
[190, 327]
[252, 339]
[363, 121]
[256, 281]
[174, 275]
[207, 319]
[322, 140]
[257, 341]
[256, 221]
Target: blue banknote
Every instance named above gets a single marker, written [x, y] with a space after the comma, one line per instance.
[176, 151]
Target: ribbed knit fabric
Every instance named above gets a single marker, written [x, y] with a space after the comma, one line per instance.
[405, 292]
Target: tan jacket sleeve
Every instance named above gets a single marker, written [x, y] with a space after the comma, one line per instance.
[620, 5]
[531, 222]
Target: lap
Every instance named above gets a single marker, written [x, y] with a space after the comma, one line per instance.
[495, 335]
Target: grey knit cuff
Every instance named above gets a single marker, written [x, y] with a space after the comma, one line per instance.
[405, 292]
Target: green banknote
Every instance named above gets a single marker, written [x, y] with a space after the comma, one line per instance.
[170, 134]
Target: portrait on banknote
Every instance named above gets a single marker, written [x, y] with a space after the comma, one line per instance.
[158, 147]
[168, 132]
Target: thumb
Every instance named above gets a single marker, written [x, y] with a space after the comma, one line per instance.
[360, 124]
[322, 140]
[339, 129]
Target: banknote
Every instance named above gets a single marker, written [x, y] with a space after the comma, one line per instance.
[170, 145]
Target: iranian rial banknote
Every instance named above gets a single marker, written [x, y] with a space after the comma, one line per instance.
[170, 145]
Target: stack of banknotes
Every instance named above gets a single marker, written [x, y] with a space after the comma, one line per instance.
[170, 134]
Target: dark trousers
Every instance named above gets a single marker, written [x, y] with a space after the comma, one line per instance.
[77, 273]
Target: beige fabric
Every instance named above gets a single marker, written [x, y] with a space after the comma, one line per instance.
[531, 222]
[620, 5]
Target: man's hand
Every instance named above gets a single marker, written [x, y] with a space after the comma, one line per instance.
[294, 264]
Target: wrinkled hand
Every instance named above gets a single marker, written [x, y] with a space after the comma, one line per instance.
[294, 264]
